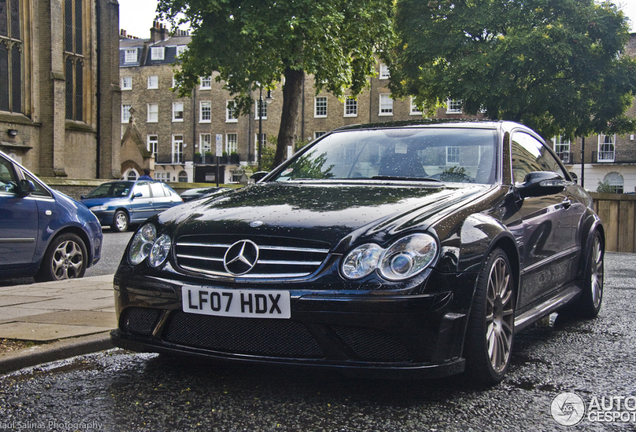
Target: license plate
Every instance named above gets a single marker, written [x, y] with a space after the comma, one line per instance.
[236, 303]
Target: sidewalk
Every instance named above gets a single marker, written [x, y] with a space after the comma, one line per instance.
[75, 315]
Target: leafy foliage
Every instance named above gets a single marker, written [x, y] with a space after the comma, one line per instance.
[252, 42]
[553, 65]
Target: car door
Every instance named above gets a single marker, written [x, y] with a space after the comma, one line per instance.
[18, 221]
[545, 226]
[141, 207]
[160, 201]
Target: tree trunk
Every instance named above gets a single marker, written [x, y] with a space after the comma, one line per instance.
[292, 97]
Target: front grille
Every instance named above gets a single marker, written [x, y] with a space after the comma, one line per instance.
[278, 257]
[370, 344]
[254, 336]
[139, 321]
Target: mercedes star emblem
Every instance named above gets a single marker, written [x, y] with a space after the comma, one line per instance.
[241, 257]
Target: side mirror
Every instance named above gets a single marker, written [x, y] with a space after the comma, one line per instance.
[137, 195]
[26, 187]
[258, 176]
[541, 183]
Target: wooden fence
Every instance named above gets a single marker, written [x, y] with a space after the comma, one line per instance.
[618, 215]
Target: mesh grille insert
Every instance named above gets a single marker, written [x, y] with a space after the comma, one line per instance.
[265, 337]
[370, 344]
[139, 321]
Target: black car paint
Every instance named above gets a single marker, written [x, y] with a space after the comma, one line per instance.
[427, 313]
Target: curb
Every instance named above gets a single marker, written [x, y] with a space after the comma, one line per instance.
[55, 351]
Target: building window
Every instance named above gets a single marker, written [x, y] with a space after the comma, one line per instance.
[153, 82]
[181, 49]
[153, 113]
[231, 141]
[125, 113]
[205, 143]
[74, 59]
[156, 53]
[318, 134]
[205, 112]
[162, 176]
[174, 82]
[10, 57]
[562, 148]
[126, 83]
[606, 149]
[177, 111]
[320, 106]
[350, 107]
[384, 72]
[230, 112]
[261, 107]
[177, 149]
[263, 140]
[152, 144]
[452, 155]
[130, 55]
[454, 106]
[615, 182]
[183, 177]
[414, 109]
[386, 105]
[206, 83]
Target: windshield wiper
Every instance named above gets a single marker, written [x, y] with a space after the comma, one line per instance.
[405, 178]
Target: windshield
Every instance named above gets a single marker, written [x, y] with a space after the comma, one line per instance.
[436, 154]
[111, 190]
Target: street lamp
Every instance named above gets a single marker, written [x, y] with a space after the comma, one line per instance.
[268, 99]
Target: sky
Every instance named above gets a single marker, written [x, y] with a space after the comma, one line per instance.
[136, 16]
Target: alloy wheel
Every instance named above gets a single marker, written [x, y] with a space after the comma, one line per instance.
[499, 315]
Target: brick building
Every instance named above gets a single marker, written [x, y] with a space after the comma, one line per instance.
[59, 86]
[181, 131]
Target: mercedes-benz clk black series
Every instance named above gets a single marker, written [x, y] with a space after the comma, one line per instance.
[415, 249]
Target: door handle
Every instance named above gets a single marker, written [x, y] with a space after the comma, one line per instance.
[567, 202]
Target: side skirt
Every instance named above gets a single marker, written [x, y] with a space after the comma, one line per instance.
[552, 304]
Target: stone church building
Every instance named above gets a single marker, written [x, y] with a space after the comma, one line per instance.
[59, 86]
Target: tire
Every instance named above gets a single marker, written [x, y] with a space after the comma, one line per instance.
[65, 258]
[588, 304]
[120, 221]
[490, 330]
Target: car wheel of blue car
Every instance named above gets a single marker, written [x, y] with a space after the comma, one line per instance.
[66, 258]
[120, 221]
[491, 325]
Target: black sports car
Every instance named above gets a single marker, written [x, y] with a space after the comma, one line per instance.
[400, 248]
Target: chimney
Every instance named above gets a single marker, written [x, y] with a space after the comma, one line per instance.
[163, 32]
[154, 32]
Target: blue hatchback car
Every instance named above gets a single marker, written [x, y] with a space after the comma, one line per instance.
[43, 233]
[119, 204]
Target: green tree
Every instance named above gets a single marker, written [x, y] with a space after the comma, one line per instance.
[554, 65]
[256, 42]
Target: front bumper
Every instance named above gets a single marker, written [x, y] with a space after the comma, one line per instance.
[378, 333]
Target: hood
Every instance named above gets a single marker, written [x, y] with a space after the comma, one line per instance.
[326, 213]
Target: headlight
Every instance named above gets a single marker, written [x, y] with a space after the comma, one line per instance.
[141, 244]
[160, 250]
[403, 259]
[99, 208]
[407, 257]
[362, 261]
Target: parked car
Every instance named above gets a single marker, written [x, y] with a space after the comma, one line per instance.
[385, 249]
[43, 233]
[196, 193]
[119, 204]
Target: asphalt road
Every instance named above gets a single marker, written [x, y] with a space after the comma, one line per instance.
[121, 391]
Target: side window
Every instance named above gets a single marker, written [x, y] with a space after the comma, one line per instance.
[157, 190]
[8, 179]
[39, 190]
[168, 191]
[143, 189]
[529, 155]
